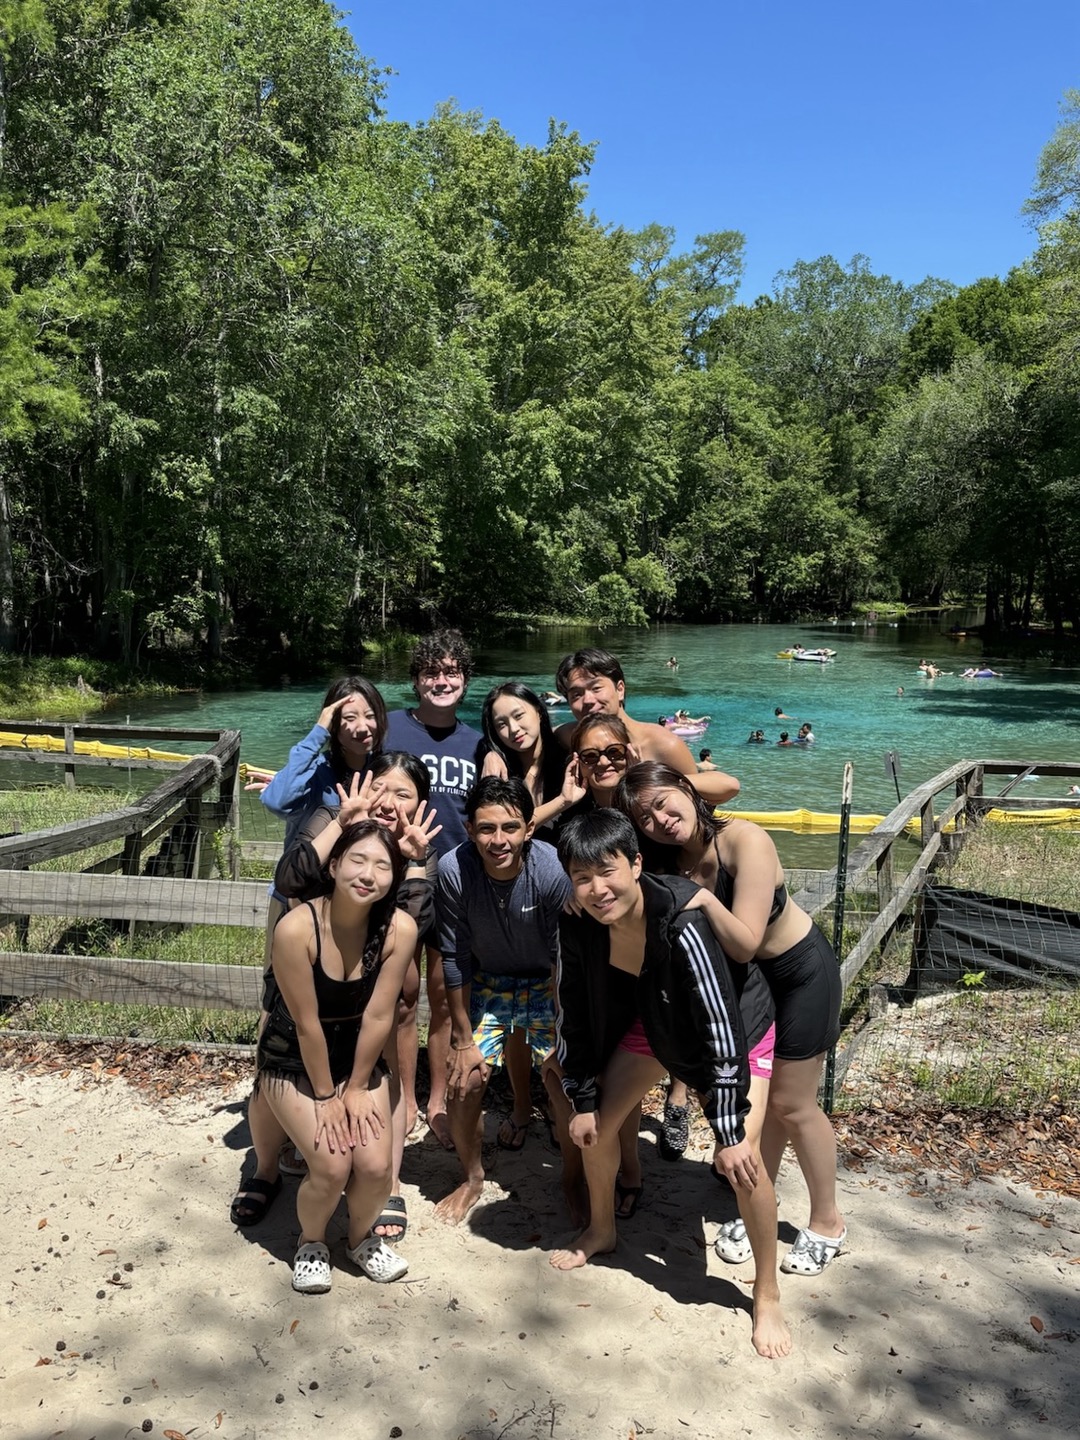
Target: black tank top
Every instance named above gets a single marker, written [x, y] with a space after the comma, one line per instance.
[724, 890]
[344, 999]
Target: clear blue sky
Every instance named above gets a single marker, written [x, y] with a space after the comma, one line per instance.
[908, 133]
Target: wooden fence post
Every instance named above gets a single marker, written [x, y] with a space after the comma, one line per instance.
[69, 749]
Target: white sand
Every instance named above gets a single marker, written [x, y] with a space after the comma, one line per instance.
[923, 1329]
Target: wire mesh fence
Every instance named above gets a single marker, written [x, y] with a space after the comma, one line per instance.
[976, 1000]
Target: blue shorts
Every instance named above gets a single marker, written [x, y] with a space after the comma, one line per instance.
[501, 1003]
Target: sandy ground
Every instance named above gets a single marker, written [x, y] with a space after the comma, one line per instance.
[133, 1305]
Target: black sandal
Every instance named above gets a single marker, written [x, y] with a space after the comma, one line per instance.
[393, 1213]
[253, 1200]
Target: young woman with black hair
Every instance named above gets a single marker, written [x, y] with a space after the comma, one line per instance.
[755, 920]
[394, 794]
[351, 727]
[522, 743]
[339, 962]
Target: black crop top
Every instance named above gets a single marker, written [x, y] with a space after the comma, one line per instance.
[344, 999]
[724, 890]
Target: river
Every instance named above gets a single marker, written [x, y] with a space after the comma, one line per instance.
[733, 674]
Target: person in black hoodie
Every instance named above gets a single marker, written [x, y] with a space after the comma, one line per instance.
[644, 988]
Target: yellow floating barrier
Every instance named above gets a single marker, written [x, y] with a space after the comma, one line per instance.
[811, 822]
[11, 740]
[803, 822]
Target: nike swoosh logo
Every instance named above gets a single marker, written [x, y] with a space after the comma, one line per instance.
[526, 908]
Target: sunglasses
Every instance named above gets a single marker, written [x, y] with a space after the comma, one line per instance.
[614, 754]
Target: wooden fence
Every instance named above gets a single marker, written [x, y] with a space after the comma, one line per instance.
[170, 888]
[114, 889]
[874, 863]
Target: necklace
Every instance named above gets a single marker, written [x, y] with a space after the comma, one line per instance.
[501, 890]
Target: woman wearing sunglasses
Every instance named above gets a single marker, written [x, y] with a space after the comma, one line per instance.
[600, 753]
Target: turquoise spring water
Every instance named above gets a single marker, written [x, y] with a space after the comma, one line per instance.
[732, 673]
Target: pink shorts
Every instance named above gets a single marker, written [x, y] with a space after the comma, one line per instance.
[761, 1056]
[635, 1041]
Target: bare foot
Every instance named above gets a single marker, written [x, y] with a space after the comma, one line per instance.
[439, 1126]
[771, 1336]
[589, 1243]
[459, 1202]
[412, 1117]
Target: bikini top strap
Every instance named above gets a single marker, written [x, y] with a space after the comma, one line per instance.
[318, 932]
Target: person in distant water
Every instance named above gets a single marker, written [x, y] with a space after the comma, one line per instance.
[594, 684]
[785, 739]
[1074, 790]
[805, 735]
[440, 668]
[672, 663]
[705, 760]
[779, 713]
[900, 692]
[756, 737]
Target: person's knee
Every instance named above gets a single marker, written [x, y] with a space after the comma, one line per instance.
[793, 1108]
[553, 1089]
[328, 1172]
[372, 1164]
[410, 995]
[472, 1091]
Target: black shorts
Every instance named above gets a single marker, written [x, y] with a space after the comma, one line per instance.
[805, 985]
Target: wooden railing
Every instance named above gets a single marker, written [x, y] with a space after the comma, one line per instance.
[114, 889]
[178, 892]
[874, 862]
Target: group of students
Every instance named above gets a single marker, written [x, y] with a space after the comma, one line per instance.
[582, 909]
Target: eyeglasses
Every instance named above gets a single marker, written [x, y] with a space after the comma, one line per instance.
[613, 754]
[448, 672]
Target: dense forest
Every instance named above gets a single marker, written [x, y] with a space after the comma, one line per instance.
[276, 372]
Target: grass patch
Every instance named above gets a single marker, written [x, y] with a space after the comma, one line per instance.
[68, 687]
[41, 808]
[1020, 863]
[974, 1047]
[134, 1022]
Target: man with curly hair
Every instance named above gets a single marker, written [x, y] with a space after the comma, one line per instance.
[440, 668]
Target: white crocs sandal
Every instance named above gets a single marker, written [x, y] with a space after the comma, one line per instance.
[812, 1252]
[311, 1269]
[378, 1262]
[732, 1242]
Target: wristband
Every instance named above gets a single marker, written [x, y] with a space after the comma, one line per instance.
[470, 1046]
[322, 1099]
